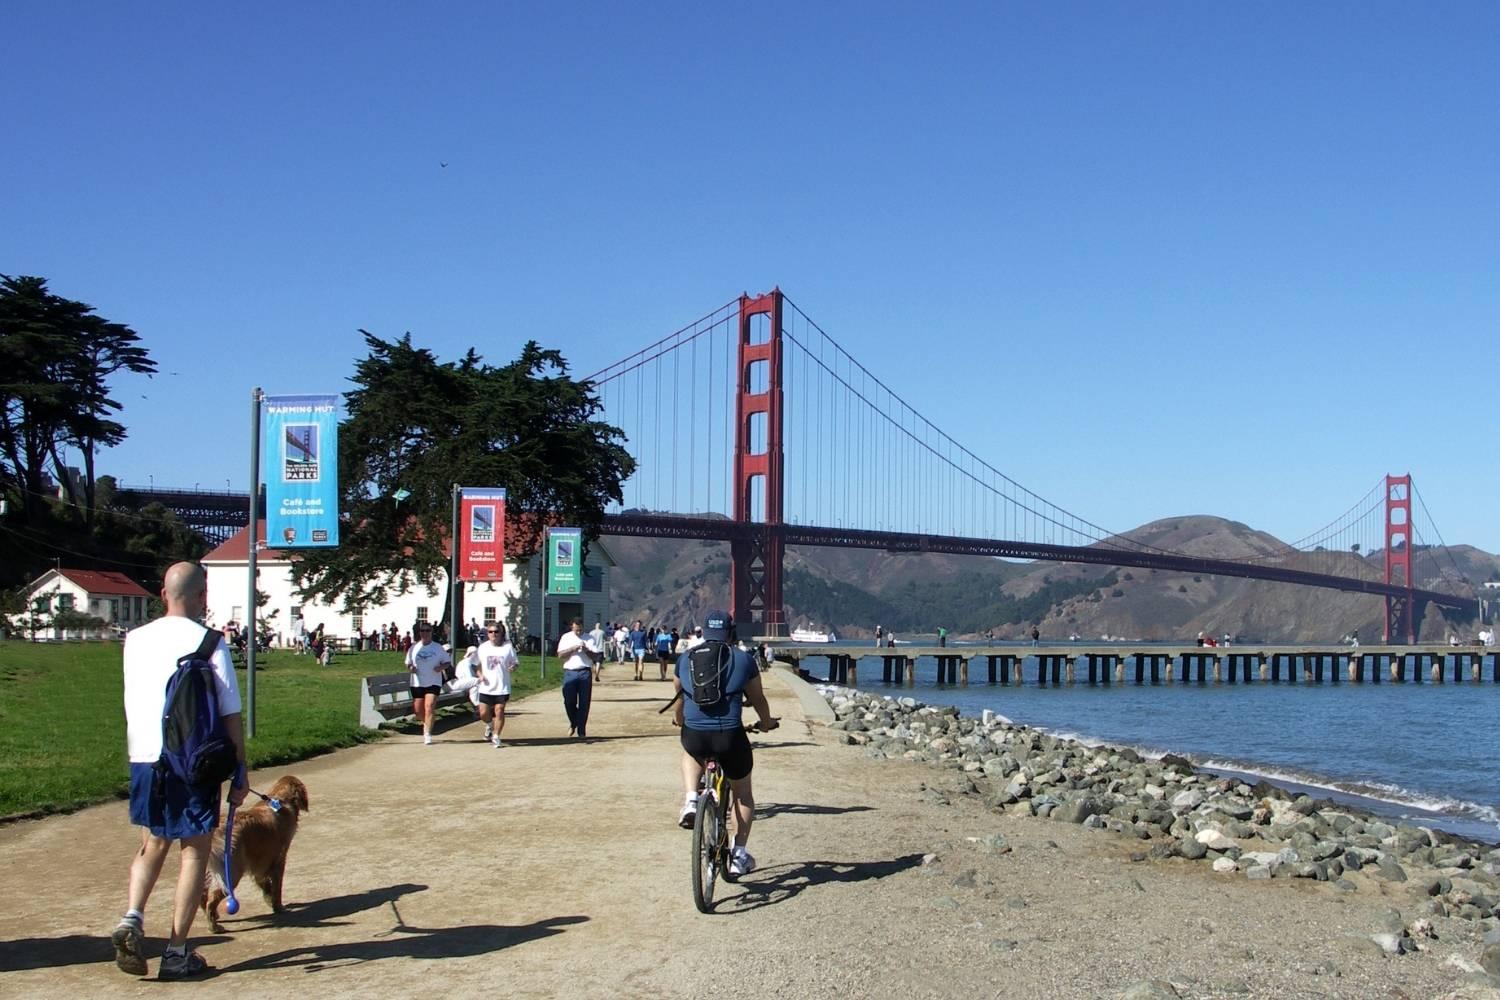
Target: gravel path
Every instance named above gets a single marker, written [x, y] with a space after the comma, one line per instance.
[553, 868]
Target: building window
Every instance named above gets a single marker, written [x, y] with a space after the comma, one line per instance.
[421, 612]
[489, 617]
[358, 618]
[236, 612]
[295, 612]
[114, 610]
[65, 602]
[140, 609]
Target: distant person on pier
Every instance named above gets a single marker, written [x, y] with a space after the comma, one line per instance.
[878, 636]
[1036, 636]
[942, 636]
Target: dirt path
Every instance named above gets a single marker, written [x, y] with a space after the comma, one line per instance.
[554, 868]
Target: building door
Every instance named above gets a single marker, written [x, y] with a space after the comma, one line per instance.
[566, 612]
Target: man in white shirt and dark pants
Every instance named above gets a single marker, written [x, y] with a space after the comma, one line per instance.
[168, 809]
[578, 677]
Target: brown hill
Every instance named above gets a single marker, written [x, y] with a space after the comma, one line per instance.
[854, 589]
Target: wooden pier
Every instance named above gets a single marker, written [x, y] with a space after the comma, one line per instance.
[1078, 663]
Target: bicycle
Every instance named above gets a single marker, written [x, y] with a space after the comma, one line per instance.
[712, 842]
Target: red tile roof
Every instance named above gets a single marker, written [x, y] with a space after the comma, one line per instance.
[237, 547]
[105, 582]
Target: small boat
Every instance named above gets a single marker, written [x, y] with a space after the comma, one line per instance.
[808, 635]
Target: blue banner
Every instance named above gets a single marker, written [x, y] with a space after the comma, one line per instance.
[299, 447]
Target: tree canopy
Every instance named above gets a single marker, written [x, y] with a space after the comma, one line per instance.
[420, 425]
[56, 359]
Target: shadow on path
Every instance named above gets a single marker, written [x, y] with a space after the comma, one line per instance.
[770, 886]
[406, 941]
[324, 912]
[75, 949]
[803, 809]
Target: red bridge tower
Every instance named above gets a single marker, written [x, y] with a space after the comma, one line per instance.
[1400, 618]
[756, 555]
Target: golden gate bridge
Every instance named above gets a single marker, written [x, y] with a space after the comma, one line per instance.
[753, 426]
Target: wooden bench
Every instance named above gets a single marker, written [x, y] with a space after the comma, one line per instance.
[385, 697]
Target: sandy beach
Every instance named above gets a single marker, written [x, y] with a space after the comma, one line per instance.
[554, 868]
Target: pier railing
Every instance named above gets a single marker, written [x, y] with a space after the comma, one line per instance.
[1121, 663]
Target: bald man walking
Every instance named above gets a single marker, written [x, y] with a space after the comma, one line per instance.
[167, 809]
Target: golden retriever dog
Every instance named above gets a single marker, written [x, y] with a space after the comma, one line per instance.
[261, 840]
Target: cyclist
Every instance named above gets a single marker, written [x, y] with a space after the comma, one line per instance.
[717, 730]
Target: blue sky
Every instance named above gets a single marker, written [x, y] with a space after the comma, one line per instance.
[1238, 260]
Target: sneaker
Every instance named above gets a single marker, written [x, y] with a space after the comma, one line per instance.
[427, 739]
[689, 814]
[489, 730]
[128, 940]
[181, 965]
[496, 740]
[740, 862]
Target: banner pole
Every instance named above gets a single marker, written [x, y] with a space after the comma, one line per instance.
[546, 555]
[455, 585]
[253, 540]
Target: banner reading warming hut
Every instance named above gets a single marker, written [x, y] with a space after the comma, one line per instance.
[299, 441]
[564, 560]
[481, 534]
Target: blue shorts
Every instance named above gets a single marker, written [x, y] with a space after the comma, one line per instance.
[640, 652]
[182, 812]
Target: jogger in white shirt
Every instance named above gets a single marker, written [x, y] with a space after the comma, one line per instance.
[496, 659]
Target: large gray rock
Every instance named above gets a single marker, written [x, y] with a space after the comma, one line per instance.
[1151, 989]
[1192, 850]
[1187, 800]
[1390, 871]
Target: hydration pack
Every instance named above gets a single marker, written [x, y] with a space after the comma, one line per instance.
[708, 667]
[195, 745]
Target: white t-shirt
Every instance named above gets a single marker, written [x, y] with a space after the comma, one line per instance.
[426, 661]
[570, 649]
[495, 664]
[151, 655]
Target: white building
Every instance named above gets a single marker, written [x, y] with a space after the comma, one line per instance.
[112, 597]
[514, 600]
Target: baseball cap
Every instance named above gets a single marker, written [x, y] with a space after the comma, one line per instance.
[716, 625]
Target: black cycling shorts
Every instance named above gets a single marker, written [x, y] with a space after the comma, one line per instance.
[432, 689]
[730, 746]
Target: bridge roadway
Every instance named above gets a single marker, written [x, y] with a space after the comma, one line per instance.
[723, 529]
[1094, 664]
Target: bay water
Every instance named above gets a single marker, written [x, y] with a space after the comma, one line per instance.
[1426, 753]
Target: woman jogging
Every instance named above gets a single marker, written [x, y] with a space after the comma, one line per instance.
[425, 660]
[497, 659]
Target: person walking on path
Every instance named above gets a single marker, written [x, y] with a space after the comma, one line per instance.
[165, 807]
[596, 644]
[718, 729]
[622, 640]
[578, 678]
[663, 650]
[426, 661]
[637, 639]
[497, 659]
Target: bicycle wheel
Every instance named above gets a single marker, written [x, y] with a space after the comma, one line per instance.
[706, 834]
[726, 841]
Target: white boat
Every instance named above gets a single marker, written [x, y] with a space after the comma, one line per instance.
[808, 635]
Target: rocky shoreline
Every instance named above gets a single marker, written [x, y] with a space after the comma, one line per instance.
[1257, 831]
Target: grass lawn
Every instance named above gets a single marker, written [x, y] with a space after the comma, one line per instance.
[62, 720]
